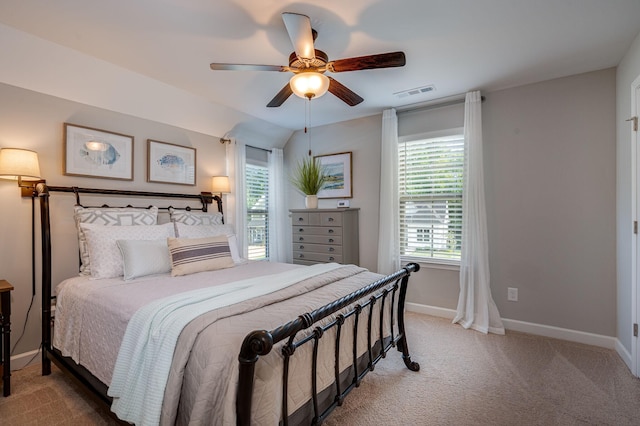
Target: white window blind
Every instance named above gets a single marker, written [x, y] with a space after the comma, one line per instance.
[257, 189]
[430, 187]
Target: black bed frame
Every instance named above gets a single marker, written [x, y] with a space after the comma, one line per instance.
[388, 290]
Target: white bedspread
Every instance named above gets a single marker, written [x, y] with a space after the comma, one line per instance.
[92, 315]
[145, 356]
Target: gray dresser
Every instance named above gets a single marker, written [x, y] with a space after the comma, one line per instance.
[325, 235]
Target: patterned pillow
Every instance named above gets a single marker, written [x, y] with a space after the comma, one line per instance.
[195, 218]
[203, 231]
[106, 259]
[191, 255]
[144, 257]
[108, 216]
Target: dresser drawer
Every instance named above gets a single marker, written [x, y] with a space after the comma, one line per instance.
[300, 218]
[317, 239]
[331, 219]
[317, 248]
[317, 230]
[319, 257]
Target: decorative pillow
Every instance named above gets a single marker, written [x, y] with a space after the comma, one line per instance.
[195, 218]
[108, 216]
[191, 255]
[105, 257]
[203, 231]
[144, 257]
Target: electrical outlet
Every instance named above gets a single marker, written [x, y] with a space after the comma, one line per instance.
[512, 294]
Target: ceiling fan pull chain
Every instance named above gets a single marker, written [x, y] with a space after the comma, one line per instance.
[308, 123]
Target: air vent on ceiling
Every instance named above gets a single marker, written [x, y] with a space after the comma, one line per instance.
[416, 91]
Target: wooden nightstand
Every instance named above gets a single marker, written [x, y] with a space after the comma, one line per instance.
[5, 336]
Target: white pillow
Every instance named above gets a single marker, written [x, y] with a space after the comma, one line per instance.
[144, 257]
[108, 216]
[204, 231]
[105, 257]
[195, 218]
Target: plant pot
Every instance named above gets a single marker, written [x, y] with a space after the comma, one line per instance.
[311, 201]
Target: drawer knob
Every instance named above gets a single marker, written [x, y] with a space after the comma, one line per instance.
[330, 219]
[331, 258]
[300, 219]
[300, 238]
[330, 240]
[331, 231]
[301, 230]
[301, 256]
[301, 247]
[331, 249]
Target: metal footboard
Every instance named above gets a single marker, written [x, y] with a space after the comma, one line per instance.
[261, 342]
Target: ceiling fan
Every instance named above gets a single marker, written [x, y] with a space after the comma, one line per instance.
[309, 65]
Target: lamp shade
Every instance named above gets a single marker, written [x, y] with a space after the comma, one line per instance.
[15, 163]
[220, 184]
[309, 84]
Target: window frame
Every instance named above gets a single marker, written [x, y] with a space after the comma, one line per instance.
[257, 163]
[447, 264]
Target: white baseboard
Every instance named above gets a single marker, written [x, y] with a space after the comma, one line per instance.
[624, 354]
[531, 328]
[20, 361]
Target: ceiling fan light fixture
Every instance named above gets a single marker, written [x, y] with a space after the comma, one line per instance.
[309, 84]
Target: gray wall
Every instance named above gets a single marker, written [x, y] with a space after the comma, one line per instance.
[362, 138]
[550, 181]
[627, 72]
[35, 121]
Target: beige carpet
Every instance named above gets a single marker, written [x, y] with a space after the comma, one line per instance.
[466, 378]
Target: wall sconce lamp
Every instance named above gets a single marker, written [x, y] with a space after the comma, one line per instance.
[220, 184]
[18, 164]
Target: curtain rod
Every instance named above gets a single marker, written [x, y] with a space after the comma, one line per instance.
[435, 103]
[256, 147]
[224, 140]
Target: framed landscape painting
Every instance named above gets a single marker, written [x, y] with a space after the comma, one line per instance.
[169, 163]
[97, 153]
[337, 167]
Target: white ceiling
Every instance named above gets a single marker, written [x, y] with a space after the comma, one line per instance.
[455, 45]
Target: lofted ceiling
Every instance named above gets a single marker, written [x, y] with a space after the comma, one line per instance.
[453, 45]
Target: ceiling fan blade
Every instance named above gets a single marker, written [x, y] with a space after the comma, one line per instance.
[282, 96]
[382, 60]
[301, 35]
[247, 67]
[344, 93]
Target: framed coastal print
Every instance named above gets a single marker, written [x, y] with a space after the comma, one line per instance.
[337, 167]
[97, 153]
[169, 163]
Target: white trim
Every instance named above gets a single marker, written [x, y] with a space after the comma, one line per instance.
[634, 240]
[624, 354]
[450, 265]
[25, 359]
[528, 327]
[434, 311]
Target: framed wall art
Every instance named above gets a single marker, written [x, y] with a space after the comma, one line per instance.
[337, 167]
[97, 153]
[169, 163]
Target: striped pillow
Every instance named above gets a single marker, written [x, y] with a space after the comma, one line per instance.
[191, 255]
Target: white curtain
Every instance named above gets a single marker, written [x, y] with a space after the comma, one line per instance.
[278, 217]
[237, 200]
[476, 308]
[389, 225]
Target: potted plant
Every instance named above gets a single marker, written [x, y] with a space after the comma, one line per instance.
[308, 178]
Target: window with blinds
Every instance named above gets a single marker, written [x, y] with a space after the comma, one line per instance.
[257, 190]
[430, 187]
